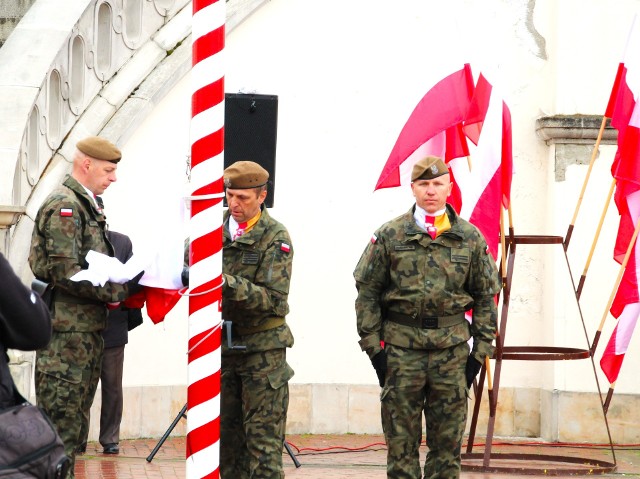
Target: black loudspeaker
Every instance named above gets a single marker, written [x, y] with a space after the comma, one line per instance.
[250, 132]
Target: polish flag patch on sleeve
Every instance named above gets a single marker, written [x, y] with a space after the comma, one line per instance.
[374, 238]
[285, 247]
[66, 212]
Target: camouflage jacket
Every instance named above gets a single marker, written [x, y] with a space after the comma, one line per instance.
[67, 227]
[402, 270]
[257, 274]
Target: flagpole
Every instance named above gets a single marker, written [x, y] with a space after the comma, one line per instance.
[504, 281]
[607, 401]
[492, 405]
[623, 265]
[510, 217]
[469, 161]
[584, 184]
[503, 245]
[595, 240]
[205, 249]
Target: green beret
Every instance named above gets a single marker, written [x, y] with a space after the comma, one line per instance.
[99, 148]
[429, 168]
[243, 175]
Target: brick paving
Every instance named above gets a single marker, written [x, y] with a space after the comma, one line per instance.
[349, 456]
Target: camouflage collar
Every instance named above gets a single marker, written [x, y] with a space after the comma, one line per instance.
[74, 185]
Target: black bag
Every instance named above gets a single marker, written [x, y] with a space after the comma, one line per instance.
[30, 447]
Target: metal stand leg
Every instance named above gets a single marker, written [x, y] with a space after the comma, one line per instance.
[293, 456]
[180, 415]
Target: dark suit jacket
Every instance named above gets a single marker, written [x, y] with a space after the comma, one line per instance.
[116, 332]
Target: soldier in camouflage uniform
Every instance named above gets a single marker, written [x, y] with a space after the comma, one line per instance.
[415, 280]
[68, 225]
[257, 260]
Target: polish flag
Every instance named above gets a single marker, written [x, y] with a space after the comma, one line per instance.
[438, 146]
[622, 100]
[487, 187]
[433, 128]
[162, 261]
[624, 110]
[620, 109]
[158, 301]
[626, 304]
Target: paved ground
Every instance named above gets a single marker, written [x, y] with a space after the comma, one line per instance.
[363, 457]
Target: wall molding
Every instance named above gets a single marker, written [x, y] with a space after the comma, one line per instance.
[573, 138]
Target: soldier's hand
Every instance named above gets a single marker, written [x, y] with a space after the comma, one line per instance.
[133, 286]
[379, 362]
[471, 370]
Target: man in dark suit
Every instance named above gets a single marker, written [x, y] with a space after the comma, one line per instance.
[116, 335]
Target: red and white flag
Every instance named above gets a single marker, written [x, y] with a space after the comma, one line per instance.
[620, 109]
[158, 301]
[162, 261]
[487, 187]
[624, 110]
[434, 128]
[622, 100]
[626, 304]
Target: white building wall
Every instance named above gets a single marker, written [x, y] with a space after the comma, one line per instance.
[348, 75]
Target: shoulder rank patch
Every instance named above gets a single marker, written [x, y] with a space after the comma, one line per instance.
[250, 257]
[285, 247]
[66, 212]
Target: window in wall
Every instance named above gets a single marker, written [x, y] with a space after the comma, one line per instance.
[132, 20]
[76, 93]
[16, 193]
[31, 150]
[54, 108]
[103, 43]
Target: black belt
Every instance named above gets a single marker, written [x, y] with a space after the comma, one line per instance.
[265, 325]
[425, 322]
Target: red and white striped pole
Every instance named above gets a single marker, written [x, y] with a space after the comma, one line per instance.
[205, 275]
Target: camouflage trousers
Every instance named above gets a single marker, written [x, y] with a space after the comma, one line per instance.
[66, 378]
[430, 382]
[254, 401]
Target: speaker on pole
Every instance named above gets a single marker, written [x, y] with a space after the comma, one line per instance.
[250, 133]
